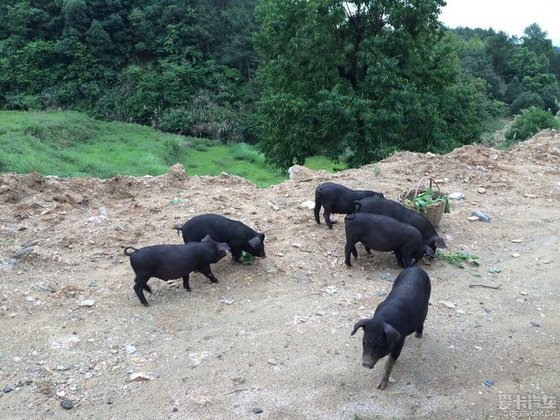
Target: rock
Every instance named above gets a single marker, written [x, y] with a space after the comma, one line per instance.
[257, 410]
[523, 292]
[516, 241]
[87, 303]
[481, 190]
[488, 382]
[7, 388]
[481, 215]
[202, 399]
[300, 173]
[456, 196]
[530, 196]
[447, 304]
[516, 255]
[130, 349]
[225, 301]
[67, 404]
[387, 277]
[139, 377]
[535, 324]
[307, 205]
[175, 201]
[494, 270]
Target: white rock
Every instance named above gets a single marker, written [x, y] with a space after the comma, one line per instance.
[447, 304]
[139, 376]
[87, 303]
[456, 196]
[307, 205]
[481, 190]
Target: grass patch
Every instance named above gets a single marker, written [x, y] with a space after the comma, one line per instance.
[72, 144]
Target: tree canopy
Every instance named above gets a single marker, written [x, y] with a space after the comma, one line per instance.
[354, 80]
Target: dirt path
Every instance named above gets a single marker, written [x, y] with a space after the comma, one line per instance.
[275, 335]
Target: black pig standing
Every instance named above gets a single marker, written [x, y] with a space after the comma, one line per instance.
[168, 262]
[400, 314]
[237, 235]
[383, 233]
[386, 207]
[336, 198]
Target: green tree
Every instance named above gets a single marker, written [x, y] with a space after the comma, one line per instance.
[357, 80]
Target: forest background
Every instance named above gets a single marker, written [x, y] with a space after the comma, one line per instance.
[353, 81]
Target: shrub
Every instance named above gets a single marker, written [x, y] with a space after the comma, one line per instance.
[530, 122]
[526, 100]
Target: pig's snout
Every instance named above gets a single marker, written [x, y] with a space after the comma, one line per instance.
[367, 361]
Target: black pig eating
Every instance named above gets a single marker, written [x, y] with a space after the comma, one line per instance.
[336, 198]
[386, 207]
[400, 314]
[168, 262]
[383, 233]
[237, 235]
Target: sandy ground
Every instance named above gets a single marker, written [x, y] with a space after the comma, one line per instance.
[272, 339]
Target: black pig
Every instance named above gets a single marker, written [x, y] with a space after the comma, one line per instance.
[337, 198]
[383, 233]
[169, 262]
[237, 235]
[386, 207]
[400, 314]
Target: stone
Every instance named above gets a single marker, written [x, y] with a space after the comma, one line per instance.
[67, 404]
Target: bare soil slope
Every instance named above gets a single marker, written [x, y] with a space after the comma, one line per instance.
[275, 335]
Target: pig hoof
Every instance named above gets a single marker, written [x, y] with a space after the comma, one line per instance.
[382, 385]
[146, 304]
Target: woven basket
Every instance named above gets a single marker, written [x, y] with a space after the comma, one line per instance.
[432, 212]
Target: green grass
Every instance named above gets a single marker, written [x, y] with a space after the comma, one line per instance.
[458, 258]
[72, 144]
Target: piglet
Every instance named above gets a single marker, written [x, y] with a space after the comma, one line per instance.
[336, 198]
[383, 233]
[236, 234]
[400, 314]
[396, 210]
[168, 262]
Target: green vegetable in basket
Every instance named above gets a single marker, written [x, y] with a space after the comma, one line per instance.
[429, 198]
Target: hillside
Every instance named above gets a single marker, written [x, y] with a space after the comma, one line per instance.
[275, 334]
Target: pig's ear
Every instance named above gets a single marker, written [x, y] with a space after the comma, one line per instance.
[439, 242]
[360, 324]
[357, 206]
[393, 336]
[207, 238]
[255, 241]
[223, 246]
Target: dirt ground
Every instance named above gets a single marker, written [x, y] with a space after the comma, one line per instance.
[272, 339]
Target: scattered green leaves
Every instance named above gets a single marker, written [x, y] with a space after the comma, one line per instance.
[458, 258]
[246, 258]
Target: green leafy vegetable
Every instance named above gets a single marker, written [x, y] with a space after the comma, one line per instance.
[458, 258]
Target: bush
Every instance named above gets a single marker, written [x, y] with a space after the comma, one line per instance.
[530, 122]
[526, 100]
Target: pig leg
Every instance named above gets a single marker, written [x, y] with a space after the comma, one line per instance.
[139, 287]
[236, 254]
[349, 249]
[366, 247]
[419, 331]
[399, 257]
[208, 273]
[389, 365]
[327, 217]
[186, 283]
[316, 211]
